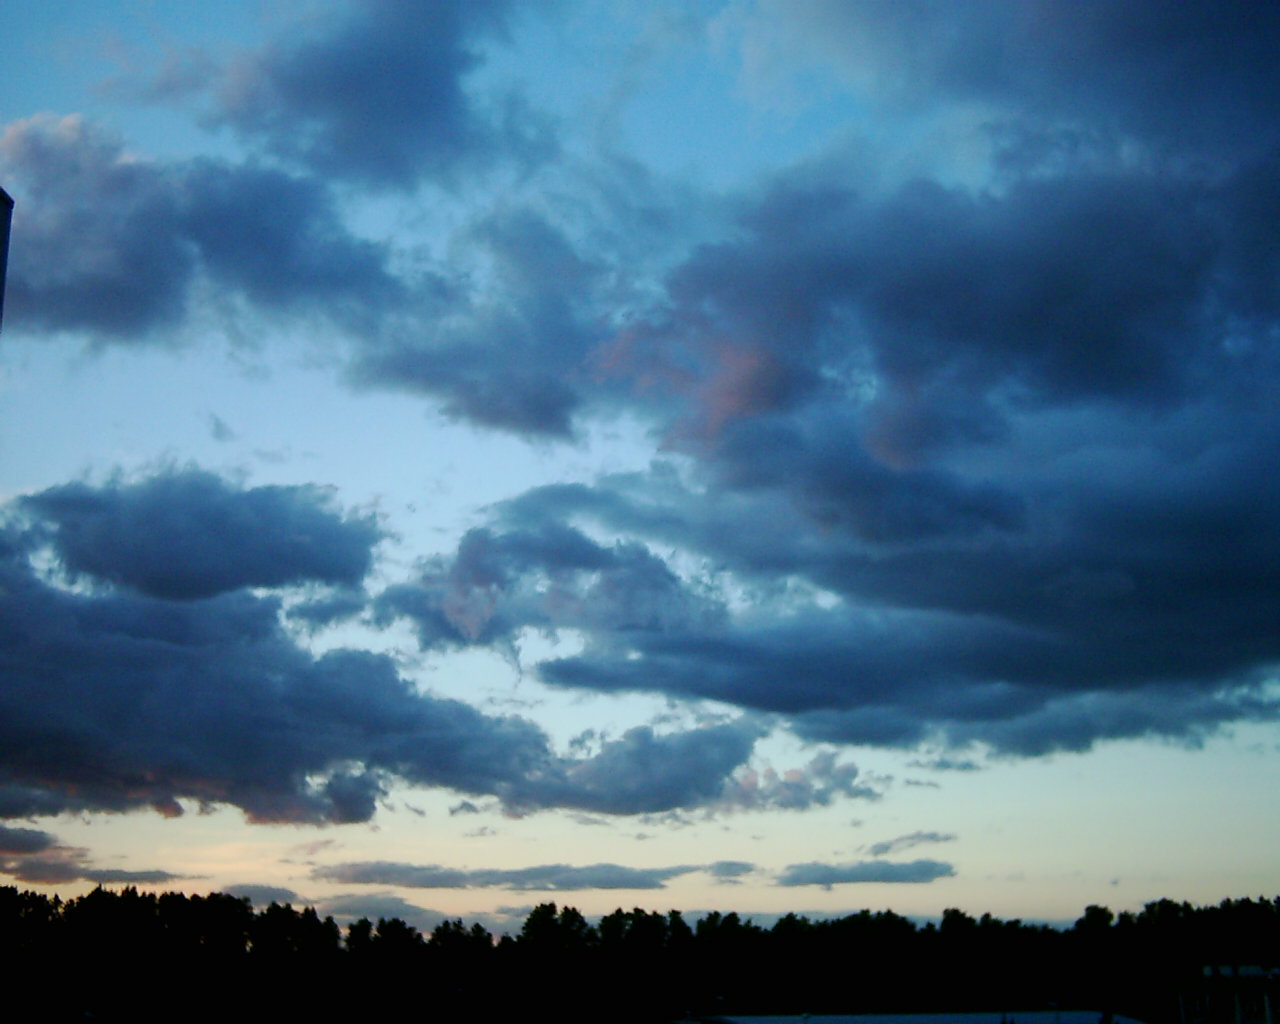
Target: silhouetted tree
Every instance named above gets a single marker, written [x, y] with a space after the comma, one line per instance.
[635, 965]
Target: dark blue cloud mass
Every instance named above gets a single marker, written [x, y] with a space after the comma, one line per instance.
[1102, 614]
[970, 456]
[34, 856]
[379, 94]
[878, 871]
[1199, 78]
[545, 877]
[899, 843]
[24, 840]
[189, 534]
[508, 357]
[114, 245]
[182, 683]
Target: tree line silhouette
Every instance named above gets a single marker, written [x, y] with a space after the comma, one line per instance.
[125, 954]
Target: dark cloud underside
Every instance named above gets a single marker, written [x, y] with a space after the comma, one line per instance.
[189, 534]
[542, 877]
[877, 871]
[965, 456]
[378, 96]
[185, 685]
[115, 246]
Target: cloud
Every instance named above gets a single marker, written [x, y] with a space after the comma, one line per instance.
[391, 873]
[262, 895]
[642, 772]
[1016, 59]
[329, 609]
[820, 782]
[24, 840]
[184, 684]
[185, 534]
[508, 354]
[964, 460]
[934, 297]
[379, 95]
[280, 242]
[878, 871]
[550, 877]
[221, 707]
[947, 764]
[549, 577]
[219, 430]
[129, 250]
[730, 870]
[105, 876]
[30, 855]
[906, 842]
[99, 248]
[349, 908]
[1096, 613]
[117, 700]
[114, 244]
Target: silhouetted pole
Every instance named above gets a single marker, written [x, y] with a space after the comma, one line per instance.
[6, 215]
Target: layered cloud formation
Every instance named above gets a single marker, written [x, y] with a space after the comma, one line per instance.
[975, 454]
[148, 661]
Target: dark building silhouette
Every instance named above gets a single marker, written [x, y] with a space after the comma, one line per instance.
[1231, 994]
[6, 215]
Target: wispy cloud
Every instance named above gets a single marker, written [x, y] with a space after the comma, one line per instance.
[867, 871]
[542, 877]
[906, 842]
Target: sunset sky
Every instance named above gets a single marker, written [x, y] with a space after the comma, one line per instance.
[752, 455]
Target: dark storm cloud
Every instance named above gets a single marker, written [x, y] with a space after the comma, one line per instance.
[24, 840]
[262, 895]
[988, 466]
[347, 909]
[106, 876]
[187, 534]
[320, 612]
[1131, 601]
[113, 244]
[590, 876]
[1249, 204]
[726, 869]
[28, 855]
[393, 873]
[117, 701]
[98, 247]
[508, 356]
[878, 871]
[819, 460]
[936, 302]
[186, 686]
[912, 677]
[543, 877]
[947, 764]
[129, 249]
[379, 95]
[548, 577]
[279, 241]
[643, 772]
[906, 842]
[817, 784]
[953, 464]
[816, 659]
[57, 871]
[1196, 77]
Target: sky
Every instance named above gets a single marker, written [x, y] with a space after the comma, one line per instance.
[757, 455]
